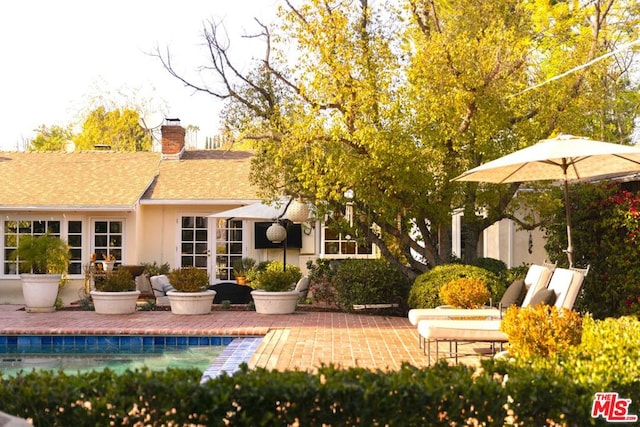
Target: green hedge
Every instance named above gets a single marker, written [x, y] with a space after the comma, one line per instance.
[539, 392]
[425, 292]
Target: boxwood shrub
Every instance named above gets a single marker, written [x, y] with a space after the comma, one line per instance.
[425, 292]
[369, 281]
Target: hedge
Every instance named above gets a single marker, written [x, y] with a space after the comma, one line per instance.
[441, 395]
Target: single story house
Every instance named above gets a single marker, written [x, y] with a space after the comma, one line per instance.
[157, 207]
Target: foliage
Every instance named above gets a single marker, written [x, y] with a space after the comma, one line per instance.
[514, 273]
[607, 359]
[119, 280]
[321, 288]
[154, 269]
[276, 280]
[42, 254]
[541, 331]
[119, 129]
[243, 266]
[465, 293]
[189, 279]
[369, 281]
[604, 230]
[425, 292]
[393, 99]
[496, 266]
[52, 138]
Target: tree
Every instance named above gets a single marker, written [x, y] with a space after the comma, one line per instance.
[393, 102]
[120, 130]
[53, 138]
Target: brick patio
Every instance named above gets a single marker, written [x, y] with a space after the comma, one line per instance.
[303, 340]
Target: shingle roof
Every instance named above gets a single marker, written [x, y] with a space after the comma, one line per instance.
[96, 179]
[205, 175]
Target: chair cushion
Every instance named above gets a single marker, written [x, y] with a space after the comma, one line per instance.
[161, 285]
[514, 294]
[543, 296]
[303, 287]
[232, 292]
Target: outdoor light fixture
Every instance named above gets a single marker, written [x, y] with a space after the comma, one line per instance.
[298, 211]
[276, 233]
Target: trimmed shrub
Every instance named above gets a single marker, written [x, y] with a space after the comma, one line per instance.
[465, 293]
[189, 279]
[541, 331]
[369, 281]
[425, 292]
[497, 267]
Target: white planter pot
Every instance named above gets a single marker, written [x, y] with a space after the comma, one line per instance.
[191, 302]
[115, 302]
[275, 302]
[40, 292]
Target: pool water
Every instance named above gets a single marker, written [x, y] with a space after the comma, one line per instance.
[191, 357]
[212, 355]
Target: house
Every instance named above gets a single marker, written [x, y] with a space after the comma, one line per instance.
[142, 207]
[161, 207]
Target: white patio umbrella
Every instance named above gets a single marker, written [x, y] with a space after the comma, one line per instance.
[563, 158]
[255, 211]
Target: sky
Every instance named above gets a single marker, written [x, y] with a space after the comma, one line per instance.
[56, 56]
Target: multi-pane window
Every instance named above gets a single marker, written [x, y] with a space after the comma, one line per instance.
[337, 245]
[74, 240]
[108, 238]
[194, 245]
[228, 247]
[16, 230]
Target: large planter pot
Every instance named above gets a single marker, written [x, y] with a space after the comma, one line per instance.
[275, 302]
[115, 302]
[191, 303]
[40, 292]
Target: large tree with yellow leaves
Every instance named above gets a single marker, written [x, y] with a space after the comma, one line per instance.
[392, 100]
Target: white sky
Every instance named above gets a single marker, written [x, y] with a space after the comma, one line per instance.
[56, 55]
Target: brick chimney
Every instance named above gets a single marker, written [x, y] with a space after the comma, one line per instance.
[172, 139]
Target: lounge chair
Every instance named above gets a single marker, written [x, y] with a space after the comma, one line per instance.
[563, 290]
[537, 278]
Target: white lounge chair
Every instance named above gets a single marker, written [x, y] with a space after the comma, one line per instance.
[565, 285]
[537, 278]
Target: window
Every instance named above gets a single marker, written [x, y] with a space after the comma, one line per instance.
[228, 247]
[108, 238]
[15, 230]
[74, 239]
[194, 241]
[339, 245]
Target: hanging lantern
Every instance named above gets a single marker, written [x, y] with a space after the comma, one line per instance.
[276, 233]
[298, 211]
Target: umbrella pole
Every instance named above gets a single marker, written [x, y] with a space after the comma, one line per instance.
[567, 209]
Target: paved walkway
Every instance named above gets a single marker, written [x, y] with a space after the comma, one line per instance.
[304, 340]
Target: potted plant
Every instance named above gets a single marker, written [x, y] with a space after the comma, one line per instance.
[115, 293]
[191, 295]
[242, 269]
[42, 262]
[274, 289]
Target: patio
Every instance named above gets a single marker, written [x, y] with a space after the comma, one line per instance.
[303, 340]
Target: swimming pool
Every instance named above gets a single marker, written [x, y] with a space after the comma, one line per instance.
[73, 353]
